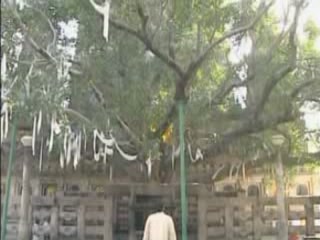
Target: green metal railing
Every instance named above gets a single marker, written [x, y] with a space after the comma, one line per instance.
[183, 185]
[4, 217]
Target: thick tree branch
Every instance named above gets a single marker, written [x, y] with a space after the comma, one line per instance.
[99, 96]
[31, 41]
[294, 93]
[53, 31]
[185, 77]
[247, 127]
[285, 70]
[148, 44]
[226, 88]
[194, 65]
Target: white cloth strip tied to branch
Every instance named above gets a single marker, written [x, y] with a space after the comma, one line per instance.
[198, 156]
[85, 139]
[2, 128]
[109, 143]
[102, 138]
[34, 129]
[244, 171]
[69, 147]
[103, 10]
[39, 122]
[108, 151]
[177, 152]
[172, 157]
[215, 175]
[6, 122]
[149, 165]
[105, 154]
[238, 169]
[61, 159]
[96, 154]
[65, 140]
[125, 155]
[76, 150]
[51, 133]
[41, 155]
[3, 68]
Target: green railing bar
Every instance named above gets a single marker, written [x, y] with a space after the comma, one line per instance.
[183, 189]
[4, 217]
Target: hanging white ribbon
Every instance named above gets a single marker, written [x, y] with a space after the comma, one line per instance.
[105, 155]
[108, 151]
[108, 142]
[39, 121]
[69, 147]
[61, 159]
[65, 139]
[4, 68]
[6, 123]
[110, 172]
[104, 10]
[34, 129]
[125, 155]
[41, 155]
[198, 156]
[96, 153]
[85, 139]
[172, 157]
[51, 133]
[190, 153]
[79, 145]
[2, 128]
[177, 152]
[74, 150]
[149, 165]
[214, 176]
[56, 127]
[75, 146]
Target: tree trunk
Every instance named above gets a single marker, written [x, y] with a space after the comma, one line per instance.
[282, 218]
[24, 226]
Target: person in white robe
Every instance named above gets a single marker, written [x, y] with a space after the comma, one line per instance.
[159, 226]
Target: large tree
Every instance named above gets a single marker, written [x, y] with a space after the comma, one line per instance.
[161, 52]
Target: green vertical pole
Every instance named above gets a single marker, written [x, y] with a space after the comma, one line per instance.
[183, 189]
[4, 217]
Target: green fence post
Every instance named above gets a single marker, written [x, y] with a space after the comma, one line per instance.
[183, 189]
[4, 217]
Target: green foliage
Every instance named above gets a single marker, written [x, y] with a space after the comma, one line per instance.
[141, 89]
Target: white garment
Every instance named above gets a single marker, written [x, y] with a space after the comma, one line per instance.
[159, 226]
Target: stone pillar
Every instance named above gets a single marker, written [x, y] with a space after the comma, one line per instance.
[229, 216]
[257, 220]
[108, 220]
[202, 218]
[309, 209]
[281, 200]
[54, 223]
[131, 220]
[81, 222]
[24, 227]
